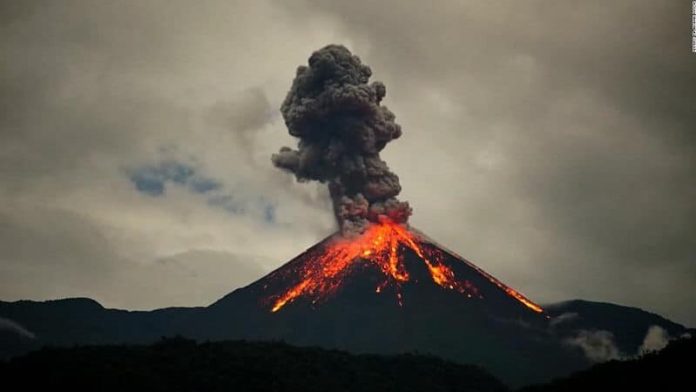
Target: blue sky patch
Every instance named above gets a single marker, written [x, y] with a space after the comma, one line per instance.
[269, 213]
[153, 179]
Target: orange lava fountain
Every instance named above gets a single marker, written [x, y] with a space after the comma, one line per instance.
[379, 244]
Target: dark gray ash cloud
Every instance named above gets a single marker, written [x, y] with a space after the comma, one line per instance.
[342, 128]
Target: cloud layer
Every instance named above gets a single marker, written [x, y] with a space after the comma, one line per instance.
[562, 152]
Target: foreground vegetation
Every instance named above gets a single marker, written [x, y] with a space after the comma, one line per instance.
[184, 365]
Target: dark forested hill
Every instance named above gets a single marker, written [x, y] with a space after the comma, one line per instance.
[671, 369]
[627, 325]
[178, 364]
[29, 325]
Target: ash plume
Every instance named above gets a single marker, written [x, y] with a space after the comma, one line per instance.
[342, 127]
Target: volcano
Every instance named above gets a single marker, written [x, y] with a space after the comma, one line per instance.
[390, 290]
[377, 285]
[386, 248]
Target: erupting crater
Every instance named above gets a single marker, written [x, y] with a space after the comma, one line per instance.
[323, 269]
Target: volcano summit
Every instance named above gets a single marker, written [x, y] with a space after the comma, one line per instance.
[342, 127]
[322, 270]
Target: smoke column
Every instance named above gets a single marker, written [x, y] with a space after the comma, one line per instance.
[341, 128]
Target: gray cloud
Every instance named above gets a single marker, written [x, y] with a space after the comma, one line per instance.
[95, 98]
[563, 318]
[561, 135]
[655, 340]
[57, 254]
[598, 346]
[244, 113]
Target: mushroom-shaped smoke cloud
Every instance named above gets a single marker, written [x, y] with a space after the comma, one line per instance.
[342, 128]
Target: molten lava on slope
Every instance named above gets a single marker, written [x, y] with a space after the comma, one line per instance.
[325, 268]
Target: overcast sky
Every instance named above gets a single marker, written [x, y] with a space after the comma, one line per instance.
[550, 142]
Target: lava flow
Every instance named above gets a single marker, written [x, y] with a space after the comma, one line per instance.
[325, 269]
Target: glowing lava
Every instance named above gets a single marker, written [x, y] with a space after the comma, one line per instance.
[326, 268]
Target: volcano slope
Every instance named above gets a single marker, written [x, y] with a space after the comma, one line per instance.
[393, 290]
